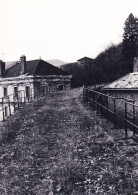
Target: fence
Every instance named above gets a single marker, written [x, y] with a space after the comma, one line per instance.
[109, 107]
[11, 103]
[98, 86]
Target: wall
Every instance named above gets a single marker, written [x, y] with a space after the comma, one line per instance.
[125, 94]
[35, 83]
[52, 82]
[18, 82]
[120, 104]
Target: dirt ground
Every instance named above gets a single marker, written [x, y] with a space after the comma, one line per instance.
[57, 145]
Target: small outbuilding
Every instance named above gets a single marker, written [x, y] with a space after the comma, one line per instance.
[125, 87]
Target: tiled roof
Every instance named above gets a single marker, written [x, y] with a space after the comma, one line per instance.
[10, 64]
[34, 67]
[44, 68]
[129, 81]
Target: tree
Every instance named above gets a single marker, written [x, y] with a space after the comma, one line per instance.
[137, 37]
[130, 36]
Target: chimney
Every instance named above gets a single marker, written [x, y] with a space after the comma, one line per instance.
[23, 64]
[135, 66]
[2, 67]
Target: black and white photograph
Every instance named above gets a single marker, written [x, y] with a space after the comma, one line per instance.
[69, 97]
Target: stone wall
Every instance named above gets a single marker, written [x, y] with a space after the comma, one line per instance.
[120, 104]
[133, 94]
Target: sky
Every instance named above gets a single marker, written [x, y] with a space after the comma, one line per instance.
[61, 29]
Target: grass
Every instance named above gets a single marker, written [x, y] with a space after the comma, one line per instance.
[56, 145]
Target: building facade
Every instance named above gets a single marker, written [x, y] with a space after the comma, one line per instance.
[27, 78]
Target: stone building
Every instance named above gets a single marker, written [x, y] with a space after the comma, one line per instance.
[85, 62]
[27, 78]
[79, 71]
[125, 87]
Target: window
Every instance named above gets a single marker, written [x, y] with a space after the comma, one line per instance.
[15, 91]
[60, 87]
[27, 91]
[5, 91]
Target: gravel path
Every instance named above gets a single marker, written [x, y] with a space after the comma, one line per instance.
[57, 145]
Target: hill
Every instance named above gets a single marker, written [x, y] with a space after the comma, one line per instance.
[56, 62]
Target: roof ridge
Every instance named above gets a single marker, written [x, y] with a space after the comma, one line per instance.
[53, 66]
[36, 65]
[32, 60]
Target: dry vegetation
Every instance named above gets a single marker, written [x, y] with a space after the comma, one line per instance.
[56, 145]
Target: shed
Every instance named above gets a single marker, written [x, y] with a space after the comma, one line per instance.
[125, 87]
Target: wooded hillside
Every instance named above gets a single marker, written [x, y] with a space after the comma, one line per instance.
[108, 66]
[111, 64]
